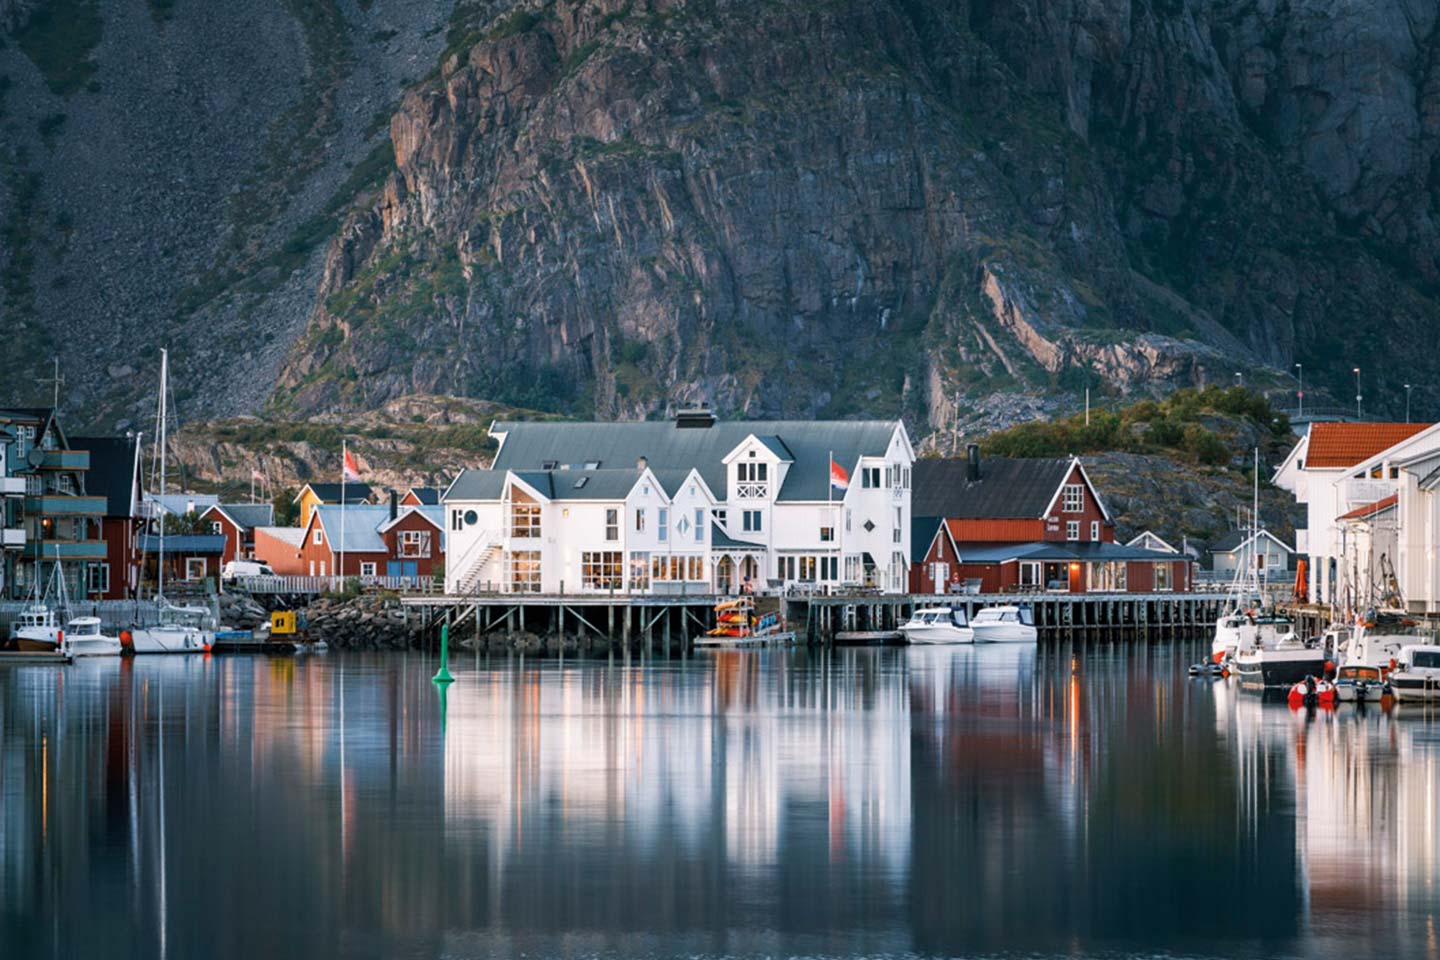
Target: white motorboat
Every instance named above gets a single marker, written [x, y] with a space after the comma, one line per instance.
[1377, 641]
[1004, 624]
[1281, 663]
[1359, 683]
[83, 638]
[1417, 673]
[938, 625]
[1247, 631]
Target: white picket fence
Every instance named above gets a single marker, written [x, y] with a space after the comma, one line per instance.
[113, 614]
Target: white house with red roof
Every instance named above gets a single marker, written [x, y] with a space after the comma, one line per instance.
[1335, 468]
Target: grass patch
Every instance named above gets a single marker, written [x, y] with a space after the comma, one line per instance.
[58, 38]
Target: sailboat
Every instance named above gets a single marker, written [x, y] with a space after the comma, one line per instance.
[180, 629]
[1246, 625]
[1267, 653]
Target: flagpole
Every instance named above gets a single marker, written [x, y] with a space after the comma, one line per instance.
[830, 503]
[344, 459]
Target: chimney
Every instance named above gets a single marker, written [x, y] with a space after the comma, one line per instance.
[972, 456]
[642, 463]
[394, 505]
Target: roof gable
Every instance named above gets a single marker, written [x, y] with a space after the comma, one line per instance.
[1008, 489]
[1368, 510]
[355, 492]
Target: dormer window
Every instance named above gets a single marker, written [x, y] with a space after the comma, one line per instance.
[752, 481]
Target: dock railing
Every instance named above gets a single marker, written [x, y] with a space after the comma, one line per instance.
[292, 585]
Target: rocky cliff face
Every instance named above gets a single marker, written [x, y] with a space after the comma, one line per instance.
[878, 206]
[613, 207]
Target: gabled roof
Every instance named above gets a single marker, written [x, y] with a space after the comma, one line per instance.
[330, 492]
[182, 503]
[428, 496]
[720, 540]
[1337, 445]
[434, 515]
[1142, 535]
[112, 471]
[1008, 489]
[246, 516]
[361, 526]
[1236, 539]
[531, 445]
[294, 536]
[1369, 510]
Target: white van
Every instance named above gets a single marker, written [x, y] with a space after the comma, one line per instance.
[246, 568]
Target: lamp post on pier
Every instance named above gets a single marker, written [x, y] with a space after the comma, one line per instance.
[1407, 403]
[1300, 390]
[1357, 394]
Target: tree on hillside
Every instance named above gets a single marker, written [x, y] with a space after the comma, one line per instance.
[287, 511]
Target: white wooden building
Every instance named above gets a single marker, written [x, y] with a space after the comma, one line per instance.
[686, 506]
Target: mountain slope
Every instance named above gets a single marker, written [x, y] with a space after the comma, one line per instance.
[872, 206]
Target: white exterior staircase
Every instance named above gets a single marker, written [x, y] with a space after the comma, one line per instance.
[471, 565]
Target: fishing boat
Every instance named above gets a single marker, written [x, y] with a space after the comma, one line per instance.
[938, 625]
[180, 629]
[38, 628]
[1280, 662]
[1004, 624]
[1377, 640]
[1417, 673]
[83, 638]
[738, 623]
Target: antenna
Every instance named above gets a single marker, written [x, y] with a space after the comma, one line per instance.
[55, 380]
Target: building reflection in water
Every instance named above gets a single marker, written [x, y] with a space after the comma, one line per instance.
[943, 800]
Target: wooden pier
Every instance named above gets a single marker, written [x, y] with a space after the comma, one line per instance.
[667, 622]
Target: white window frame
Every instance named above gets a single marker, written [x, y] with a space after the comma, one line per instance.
[612, 524]
[1161, 572]
[190, 566]
[1072, 498]
[827, 533]
[100, 584]
[662, 525]
[217, 528]
[639, 519]
[1072, 530]
[602, 570]
[367, 568]
[319, 537]
[1095, 530]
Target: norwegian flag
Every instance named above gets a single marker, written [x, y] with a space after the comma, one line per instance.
[839, 477]
[352, 467]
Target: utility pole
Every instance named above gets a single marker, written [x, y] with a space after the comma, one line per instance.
[1300, 389]
[955, 426]
[1357, 394]
[1407, 403]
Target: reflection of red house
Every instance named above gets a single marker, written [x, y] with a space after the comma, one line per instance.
[1034, 524]
[377, 541]
[236, 522]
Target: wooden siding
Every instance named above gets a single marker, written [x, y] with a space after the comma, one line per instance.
[1055, 521]
[281, 557]
[995, 531]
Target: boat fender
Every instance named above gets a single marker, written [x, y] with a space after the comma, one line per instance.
[1329, 668]
[127, 642]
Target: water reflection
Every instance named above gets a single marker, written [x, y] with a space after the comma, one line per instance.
[934, 801]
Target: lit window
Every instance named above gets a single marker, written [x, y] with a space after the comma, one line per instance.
[827, 534]
[602, 570]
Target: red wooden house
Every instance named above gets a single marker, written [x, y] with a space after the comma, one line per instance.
[376, 541]
[1023, 524]
[237, 522]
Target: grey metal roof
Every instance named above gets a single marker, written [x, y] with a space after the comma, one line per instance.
[249, 515]
[428, 496]
[922, 534]
[355, 492]
[531, 445]
[720, 540]
[776, 445]
[184, 543]
[1057, 550]
[1007, 488]
[291, 535]
[1235, 539]
[183, 503]
[555, 484]
[477, 485]
[362, 526]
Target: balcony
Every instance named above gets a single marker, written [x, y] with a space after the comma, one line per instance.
[66, 460]
[12, 486]
[66, 549]
[65, 505]
[12, 538]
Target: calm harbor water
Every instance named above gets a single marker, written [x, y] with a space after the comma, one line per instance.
[1088, 801]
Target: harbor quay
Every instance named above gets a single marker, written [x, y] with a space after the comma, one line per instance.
[675, 621]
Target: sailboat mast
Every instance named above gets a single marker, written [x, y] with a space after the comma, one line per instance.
[164, 417]
[1255, 525]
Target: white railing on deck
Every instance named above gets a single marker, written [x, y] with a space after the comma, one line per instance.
[472, 562]
[303, 584]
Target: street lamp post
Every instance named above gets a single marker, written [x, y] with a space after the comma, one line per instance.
[1407, 403]
[1357, 394]
[1300, 390]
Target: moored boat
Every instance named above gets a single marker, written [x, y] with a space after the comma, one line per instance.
[1359, 684]
[1417, 673]
[1004, 624]
[1284, 662]
[938, 625]
[83, 638]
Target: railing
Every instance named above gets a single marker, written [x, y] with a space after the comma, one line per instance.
[316, 585]
[751, 490]
[113, 614]
[468, 567]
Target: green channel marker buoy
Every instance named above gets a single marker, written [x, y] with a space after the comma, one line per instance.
[443, 674]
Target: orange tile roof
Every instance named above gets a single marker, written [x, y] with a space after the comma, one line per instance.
[1370, 509]
[1334, 444]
